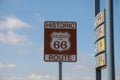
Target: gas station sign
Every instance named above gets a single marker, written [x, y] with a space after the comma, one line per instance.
[100, 60]
[100, 37]
[100, 46]
[99, 18]
[100, 32]
[60, 41]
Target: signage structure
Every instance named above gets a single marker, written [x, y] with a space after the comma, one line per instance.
[60, 41]
[100, 41]
[100, 32]
[99, 18]
[100, 45]
[100, 60]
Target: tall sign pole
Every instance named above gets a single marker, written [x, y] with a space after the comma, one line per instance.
[97, 10]
[97, 7]
[110, 40]
[60, 70]
[60, 42]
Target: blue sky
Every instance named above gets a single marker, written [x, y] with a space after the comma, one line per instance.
[22, 39]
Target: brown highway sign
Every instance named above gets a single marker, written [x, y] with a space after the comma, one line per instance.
[60, 41]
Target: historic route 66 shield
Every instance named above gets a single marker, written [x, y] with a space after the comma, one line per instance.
[60, 41]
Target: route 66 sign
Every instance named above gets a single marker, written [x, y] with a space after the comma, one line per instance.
[60, 41]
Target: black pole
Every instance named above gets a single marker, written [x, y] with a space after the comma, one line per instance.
[60, 70]
[98, 74]
[97, 10]
[97, 7]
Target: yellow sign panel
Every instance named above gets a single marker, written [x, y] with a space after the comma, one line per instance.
[100, 45]
[99, 18]
[100, 32]
[100, 60]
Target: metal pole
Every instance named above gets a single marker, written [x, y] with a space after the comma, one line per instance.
[60, 70]
[98, 74]
[97, 7]
[110, 40]
[97, 10]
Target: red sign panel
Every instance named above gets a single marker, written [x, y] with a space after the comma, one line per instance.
[60, 41]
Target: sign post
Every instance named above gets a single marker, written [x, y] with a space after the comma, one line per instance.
[60, 70]
[100, 43]
[110, 40]
[97, 10]
[100, 40]
[104, 36]
[60, 42]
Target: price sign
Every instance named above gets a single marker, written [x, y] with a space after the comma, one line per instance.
[100, 60]
[100, 32]
[60, 41]
[100, 46]
[99, 18]
[100, 40]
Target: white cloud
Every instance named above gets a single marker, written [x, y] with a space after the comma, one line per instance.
[7, 66]
[88, 78]
[12, 23]
[40, 77]
[14, 39]
[8, 25]
[80, 67]
[46, 77]
[68, 78]
[13, 78]
[32, 77]
[80, 78]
